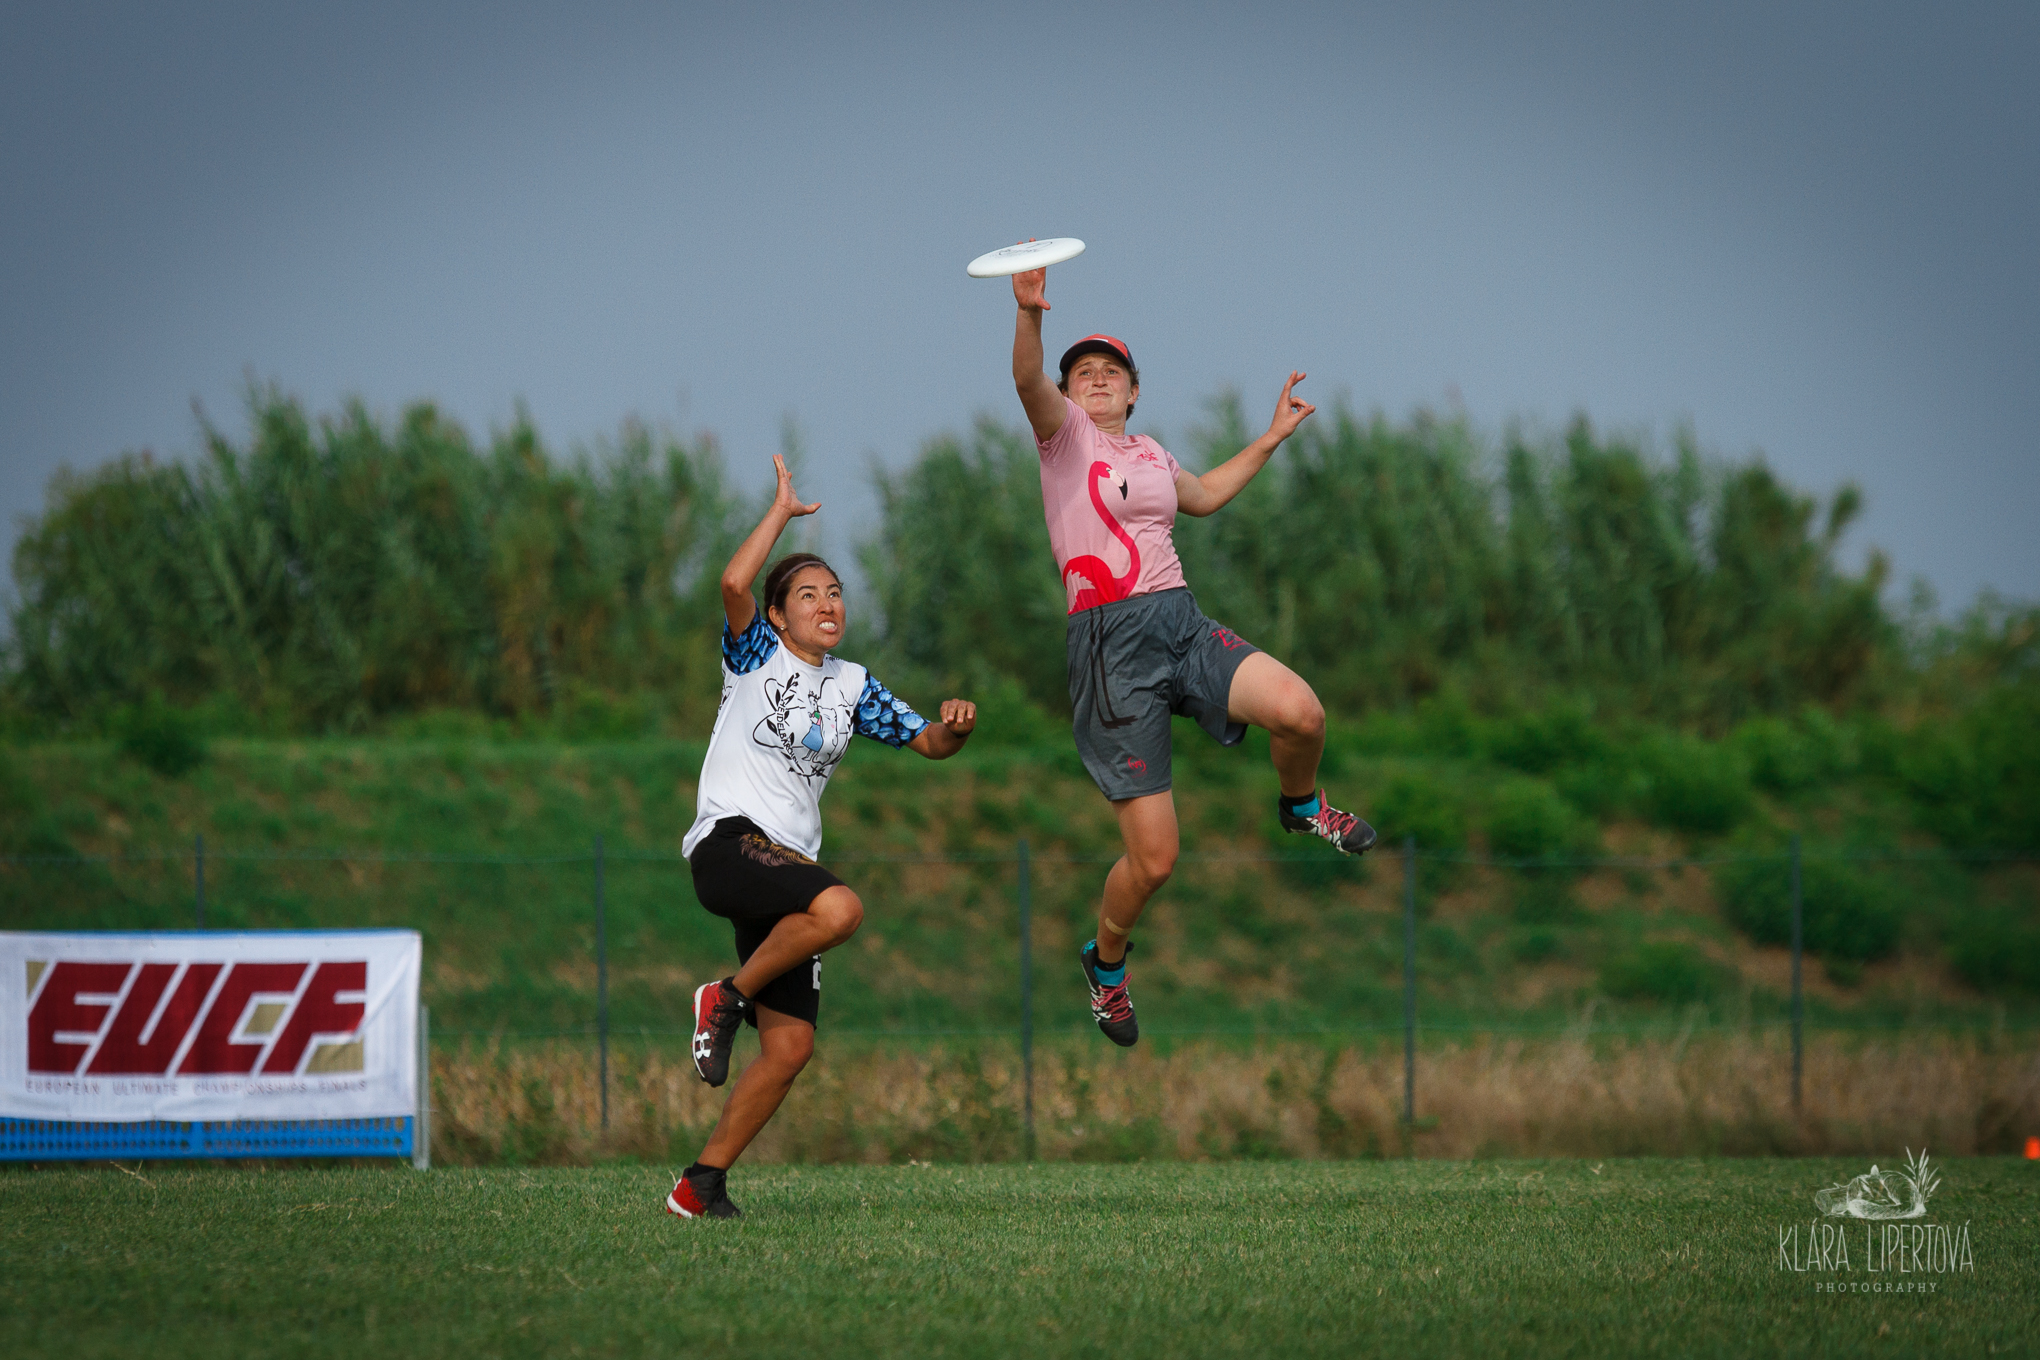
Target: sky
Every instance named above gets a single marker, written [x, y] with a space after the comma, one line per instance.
[1807, 231]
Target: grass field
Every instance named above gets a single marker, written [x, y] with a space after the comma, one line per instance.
[1638, 1257]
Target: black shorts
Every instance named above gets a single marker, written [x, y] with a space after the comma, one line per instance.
[750, 880]
[1136, 662]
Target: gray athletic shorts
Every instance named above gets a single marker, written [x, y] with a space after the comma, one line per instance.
[1133, 664]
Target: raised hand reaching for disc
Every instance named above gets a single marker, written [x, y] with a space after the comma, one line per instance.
[1030, 288]
[785, 498]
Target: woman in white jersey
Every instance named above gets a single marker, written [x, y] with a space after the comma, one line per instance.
[1139, 650]
[788, 712]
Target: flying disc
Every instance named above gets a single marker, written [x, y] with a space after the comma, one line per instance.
[1025, 256]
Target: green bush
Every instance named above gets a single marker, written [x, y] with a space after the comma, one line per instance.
[1445, 951]
[1846, 912]
[1997, 949]
[1790, 756]
[1536, 945]
[1529, 820]
[1543, 897]
[1007, 716]
[1695, 785]
[161, 736]
[1976, 782]
[1603, 788]
[331, 573]
[1412, 804]
[1661, 970]
[1545, 740]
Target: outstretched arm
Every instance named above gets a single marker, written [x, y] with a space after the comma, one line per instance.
[941, 740]
[1202, 495]
[1044, 404]
[749, 558]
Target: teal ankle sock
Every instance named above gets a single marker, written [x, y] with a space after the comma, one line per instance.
[1300, 807]
[1109, 974]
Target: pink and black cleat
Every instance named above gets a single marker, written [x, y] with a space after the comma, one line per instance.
[1346, 832]
[1111, 1007]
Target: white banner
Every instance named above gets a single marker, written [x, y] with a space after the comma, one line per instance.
[206, 1025]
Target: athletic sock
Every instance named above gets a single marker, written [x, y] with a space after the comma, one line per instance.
[703, 1169]
[1109, 974]
[1306, 806]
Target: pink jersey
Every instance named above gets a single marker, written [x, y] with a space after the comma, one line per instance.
[1111, 506]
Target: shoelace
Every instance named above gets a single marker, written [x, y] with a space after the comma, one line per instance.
[1331, 819]
[1112, 1000]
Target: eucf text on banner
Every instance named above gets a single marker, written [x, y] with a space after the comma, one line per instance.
[203, 1026]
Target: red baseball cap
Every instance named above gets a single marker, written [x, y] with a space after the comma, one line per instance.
[1100, 344]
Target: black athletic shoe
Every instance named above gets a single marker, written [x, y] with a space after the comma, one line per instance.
[703, 1195]
[718, 1010]
[1110, 1006]
[1346, 832]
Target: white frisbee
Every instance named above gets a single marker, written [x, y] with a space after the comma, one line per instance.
[1025, 256]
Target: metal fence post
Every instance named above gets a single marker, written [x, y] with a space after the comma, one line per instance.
[198, 878]
[1027, 998]
[421, 1126]
[602, 981]
[1798, 999]
[1409, 982]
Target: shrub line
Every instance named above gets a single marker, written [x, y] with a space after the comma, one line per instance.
[1658, 1029]
[1434, 856]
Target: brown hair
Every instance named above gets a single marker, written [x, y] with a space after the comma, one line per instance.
[779, 580]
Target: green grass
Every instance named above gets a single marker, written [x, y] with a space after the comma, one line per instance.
[1395, 1259]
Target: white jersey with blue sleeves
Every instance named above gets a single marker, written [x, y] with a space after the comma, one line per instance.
[782, 727]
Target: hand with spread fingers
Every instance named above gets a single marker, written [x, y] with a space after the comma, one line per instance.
[785, 499]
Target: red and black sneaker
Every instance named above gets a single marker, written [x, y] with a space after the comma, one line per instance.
[1110, 1005]
[705, 1194]
[1346, 832]
[718, 1010]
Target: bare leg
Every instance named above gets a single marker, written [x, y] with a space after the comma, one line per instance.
[830, 919]
[784, 1047]
[1269, 695]
[1148, 827]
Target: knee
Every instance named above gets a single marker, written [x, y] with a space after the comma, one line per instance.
[1300, 716]
[1153, 866]
[787, 1050]
[840, 911]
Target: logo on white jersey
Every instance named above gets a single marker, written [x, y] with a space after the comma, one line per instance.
[809, 727]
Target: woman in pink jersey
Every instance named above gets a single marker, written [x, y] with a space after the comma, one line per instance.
[1139, 650]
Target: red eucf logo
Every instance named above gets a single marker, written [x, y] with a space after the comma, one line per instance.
[1136, 764]
[196, 1019]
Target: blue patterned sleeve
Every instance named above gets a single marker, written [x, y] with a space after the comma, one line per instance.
[747, 653]
[884, 718]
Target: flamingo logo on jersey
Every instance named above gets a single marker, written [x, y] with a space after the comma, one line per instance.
[1088, 581]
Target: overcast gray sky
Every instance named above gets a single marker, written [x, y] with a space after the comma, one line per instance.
[1807, 229]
